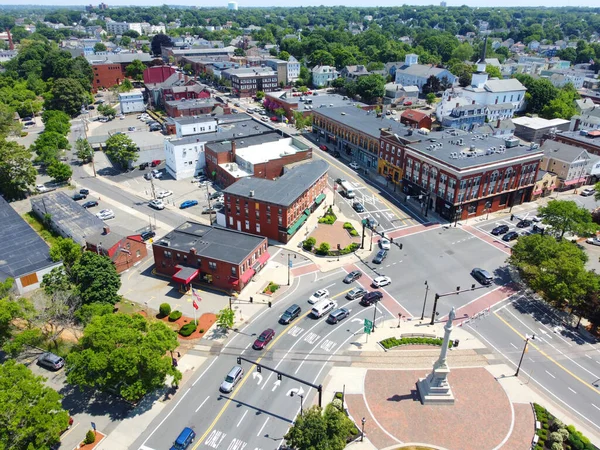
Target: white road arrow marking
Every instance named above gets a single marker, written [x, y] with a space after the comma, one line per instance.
[295, 391]
[358, 320]
[276, 385]
[256, 375]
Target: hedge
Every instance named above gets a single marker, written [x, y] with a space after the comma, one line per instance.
[175, 315]
[164, 309]
[574, 439]
[394, 342]
[348, 226]
[309, 243]
[188, 329]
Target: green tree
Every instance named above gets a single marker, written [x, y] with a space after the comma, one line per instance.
[121, 149]
[279, 112]
[432, 84]
[125, 41]
[96, 279]
[135, 70]
[8, 124]
[60, 171]
[370, 86]
[463, 52]
[566, 216]
[99, 47]
[107, 111]
[32, 416]
[125, 86]
[493, 71]
[57, 280]
[301, 122]
[540, 92]
[430, 98]
[83, 150]
[284, 55]
[239, 52]
[260, 95]
[17, 173]
[56, 121]
[48, 147]
[225, 318]
[67, 95]
[146, 48]
[123, 353]
[159, 41]
[317, 431]
[65, 250]
[321, 58]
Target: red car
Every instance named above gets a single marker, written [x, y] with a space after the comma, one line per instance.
[407, 103]
[264, 338]
[274, 119]
[323, 147]
[155, 163]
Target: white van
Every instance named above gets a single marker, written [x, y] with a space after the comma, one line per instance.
[323, 307]
[348, 190]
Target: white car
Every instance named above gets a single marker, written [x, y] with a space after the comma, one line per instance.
[385, 244]
[106, 214]
[321, 294]
[381, 281]
[41, 188]
[156, 204]
[163, 194]
[593, 241]
[354, 165]
[157, 174]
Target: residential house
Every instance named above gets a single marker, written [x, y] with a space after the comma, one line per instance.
[415, 119]
[124, 251]
[568, 162]
[322, 76]
[132, 102]
[414, 74]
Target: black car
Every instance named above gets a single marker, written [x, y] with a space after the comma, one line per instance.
[370, 298]
[339, 180]
[147, 235]
[500, 229]
[215, 195]
[90, 204]
[358, 207]
[511, 236]
[336, 154]
[354, 275]
[79, 196]
[524, 223]
[290, 314]
[143, 166]
[380, 256]
[84, 191]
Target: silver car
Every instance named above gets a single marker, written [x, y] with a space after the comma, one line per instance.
[232, 378]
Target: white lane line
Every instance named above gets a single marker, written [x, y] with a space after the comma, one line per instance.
[571, 390]
[332, 284]
[589, 356]
[263, 427]
[170, 412]
[549, 374]
[330, 274]
[514, 346]
[595, 407]
[202, 404]
[245, 348]
[245, 412]
[205, 370]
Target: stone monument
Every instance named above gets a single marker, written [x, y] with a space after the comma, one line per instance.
[435, 389]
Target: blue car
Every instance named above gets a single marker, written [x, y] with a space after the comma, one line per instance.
[188, 204]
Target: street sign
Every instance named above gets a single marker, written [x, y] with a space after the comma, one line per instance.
[368, 326]
[290, 264]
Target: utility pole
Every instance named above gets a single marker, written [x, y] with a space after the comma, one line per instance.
[523, 354]
[85, 127]
[425, 301]
[152, 185]
[209, 206]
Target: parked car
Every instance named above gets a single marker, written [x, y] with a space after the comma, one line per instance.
[131, 129]
[155, 127]
[106, 214]
[358, 207]
[147, 235]
[188, 204]
[78, 196]
[215, 195]
[483, 276]
[264, 119]
[511, 236]
[357, 292]
[156, 204]
[90, 204]
[593, 240]
[41, 188]
[354, 165]
[318, 296]
[381, 281]
[338, 315]
[164, 194]
[264, 338]
[500, 229]
[385, 244]
[144, 165]
[290, 314]
[31, 123]
[587, 192]
[524, 223]
[157, 173]
[155, 162]
[380, 256]
[370, 298]
[323, 147]
[51, 361]
[212, 209]
[354, 275]
[232, 378]
[336, 154]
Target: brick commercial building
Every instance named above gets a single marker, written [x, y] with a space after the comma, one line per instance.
[415, 119]
[194, 253]
[199, 107]
[109, 68]
[262, 156]
[247, 82]
[292, 102]
[277, 208]
[124, 251]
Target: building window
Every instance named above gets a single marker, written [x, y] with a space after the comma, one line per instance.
[258, 227]
[247, 224]
[212, 265]
[137, 253]
[280, 221]
[168, 254]
[234, 271]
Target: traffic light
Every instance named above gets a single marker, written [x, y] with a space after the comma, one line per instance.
[269, 304]
[512, 216]
[279, 376]
[239, 360]
[258, 369]
[251, 299]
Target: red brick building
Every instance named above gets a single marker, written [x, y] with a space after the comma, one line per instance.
[199, 107]
[158, 74]
[277, 208]
[415, 119]
[124, 251]
[198, 254]
[588, 140]
[107, 75]
[262, 156]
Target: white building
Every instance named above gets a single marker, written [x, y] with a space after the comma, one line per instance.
[116, 28]
[414, 74]
[187, 126]
[232, 6]
[293, 69]
[323, 75]
[132, 102]
[185, 157]
[153, 29]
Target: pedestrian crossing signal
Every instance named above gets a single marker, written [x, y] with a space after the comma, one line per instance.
[258, 369]
[239, 360]
[279, 376]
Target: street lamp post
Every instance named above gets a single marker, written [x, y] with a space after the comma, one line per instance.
[425, 301]
[374, 316]
[301, 402]
[523, 354]
[362, 435]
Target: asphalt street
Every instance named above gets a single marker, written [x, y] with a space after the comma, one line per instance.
[260, 409]
[560, 362]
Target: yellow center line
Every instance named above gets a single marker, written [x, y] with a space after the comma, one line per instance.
[550, 358]
[249, 372]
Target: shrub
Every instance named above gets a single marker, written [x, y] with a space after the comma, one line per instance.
[557, 446]
[337, 402]
[555, 437]
[395, 342]
[175, 315]
[539, 447]
[201, 330]
[328, 219]
[353, 233]
[188, 329]
[273, 287]
[323, 249]
[164, 309]
[348, 226]
[24, 133]
[564, 433]
[557, 425]
[338, 395]
[90, 437]
[545, 425]
[542, 433]
[309, 243]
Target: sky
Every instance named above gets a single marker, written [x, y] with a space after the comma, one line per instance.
[287, 3]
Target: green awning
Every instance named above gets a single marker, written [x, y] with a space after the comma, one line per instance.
[291, 230]
[307, 212]
[319, 198]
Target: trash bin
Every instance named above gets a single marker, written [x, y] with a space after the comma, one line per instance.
[456, 341]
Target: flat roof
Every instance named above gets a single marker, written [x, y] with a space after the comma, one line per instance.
[228, 130]
[220, 244]
[255, 141]
[538, 123]
[188, 104]
[186, 120]
[318, 101]
[269, 151]
[23, 250]
[591, 137]
[285, 189]
[366, 122]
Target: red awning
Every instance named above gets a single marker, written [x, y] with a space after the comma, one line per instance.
[264, 258]
[578, 180]
[538, 192]
[185, 275]
[249, 273]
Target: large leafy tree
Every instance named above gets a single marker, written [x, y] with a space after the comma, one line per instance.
[67, 95]
[432, 84]
[8, 124]
[540, 92]
[123, 353]
[121, 149]
[83, 150]
[370, 86]
[60, 171]
[566, 216]
[135, 70]
[32, 416]
[48, 146]
[159, 41]
[57, 121]
[17, 173]
[96, 279]
[315, 430]
[65, 250]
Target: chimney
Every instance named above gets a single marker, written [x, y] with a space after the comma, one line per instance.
[251, 194]
[105, 229]
[473, 102]
[192, 251]
[232, 151]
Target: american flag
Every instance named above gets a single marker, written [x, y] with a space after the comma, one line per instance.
[197, 297]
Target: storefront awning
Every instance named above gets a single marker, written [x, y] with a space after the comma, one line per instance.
[264, 258]
[185, 275]
[249, 273]
[538, 192]
[291, 230]
[307, 212]
[319, 199]
[577, 180]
